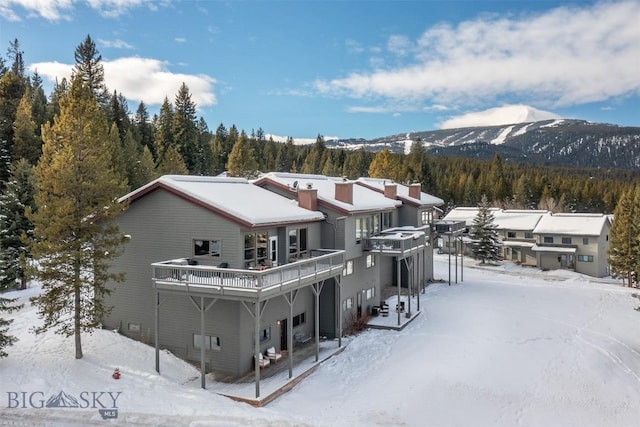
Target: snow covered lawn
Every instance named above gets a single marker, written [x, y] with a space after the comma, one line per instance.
[508, 346]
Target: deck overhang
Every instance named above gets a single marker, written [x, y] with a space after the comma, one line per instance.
[176, 276]
[399, 242]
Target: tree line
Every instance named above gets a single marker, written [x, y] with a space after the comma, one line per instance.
[67, 157]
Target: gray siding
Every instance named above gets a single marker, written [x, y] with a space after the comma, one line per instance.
[162, 227]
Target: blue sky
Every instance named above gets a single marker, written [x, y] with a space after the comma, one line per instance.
[347, 69]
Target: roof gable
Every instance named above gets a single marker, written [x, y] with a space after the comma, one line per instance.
[576, 224]
[234, 198]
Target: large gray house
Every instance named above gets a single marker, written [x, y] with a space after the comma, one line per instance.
[220, 269]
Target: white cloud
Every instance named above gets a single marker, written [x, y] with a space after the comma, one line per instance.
[116, 44]
[399, 45]
[565, 56]
[180, 40]
[55, 10]
[505, 115]
[52, 10]
[141, 79]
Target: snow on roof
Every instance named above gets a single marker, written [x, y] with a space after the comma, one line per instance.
[364, 199]
[580, 224]
[519, 219]
[234, 196]
[463, 214]
[511, 219]
[402, 191]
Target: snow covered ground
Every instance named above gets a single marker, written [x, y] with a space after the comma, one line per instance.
[509, 346]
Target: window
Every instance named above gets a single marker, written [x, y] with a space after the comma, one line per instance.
[425, 217]
[566, 240]
[133, 327]
[511, 234]
[265, 335]
[255, 249]
[585, 258]
[371, 261]
[385, 218]
[210, 343]
[299, 319]
[367, 226]
[548, 239]
[348, 268]
[206, 248]
[347, 304]
[371, 293]
[585, 240]
[297, 243]
[528, 235]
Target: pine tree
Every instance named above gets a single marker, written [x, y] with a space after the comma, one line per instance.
[241, 160]
[185, 130]
[384, 165]
[172, 163]
[12, 88]
[163, 137]
[26, 144]
[485, 234]
[38, 101]
[89, 68]
[143, 128]
[415, 165]
[624, 241]
[313, 162]
[6, 306]
[15, 228]
[76, 199]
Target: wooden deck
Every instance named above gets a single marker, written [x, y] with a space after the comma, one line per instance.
[274, 379]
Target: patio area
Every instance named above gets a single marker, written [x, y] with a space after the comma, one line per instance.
[391, 321]
[274, 379]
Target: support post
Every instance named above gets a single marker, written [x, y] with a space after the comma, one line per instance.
[157, 333]
[203, 371]
[449, 259]
[339, 311]
[399, 280]
[256, 345]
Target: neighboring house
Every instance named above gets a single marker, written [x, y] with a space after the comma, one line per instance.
[575, 241]
[515, 230]
[220, 269]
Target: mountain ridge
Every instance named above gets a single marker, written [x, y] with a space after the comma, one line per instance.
[551, 142]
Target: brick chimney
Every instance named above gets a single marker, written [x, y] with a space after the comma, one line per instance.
[415, 190]
[391, 191]
[344, 192]
[308, 198]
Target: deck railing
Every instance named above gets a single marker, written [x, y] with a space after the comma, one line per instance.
[400, 241]
[179, 272]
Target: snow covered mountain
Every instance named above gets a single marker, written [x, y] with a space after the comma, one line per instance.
[551, 142]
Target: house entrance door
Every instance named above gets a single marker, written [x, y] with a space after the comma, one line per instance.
[563, 261]
[283, 335]
[359, 304]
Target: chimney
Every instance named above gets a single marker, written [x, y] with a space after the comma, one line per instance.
[390, 191]
[415, 190]
[344, 192]
[308, 198]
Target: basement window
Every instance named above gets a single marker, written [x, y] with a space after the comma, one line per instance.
[210, 343]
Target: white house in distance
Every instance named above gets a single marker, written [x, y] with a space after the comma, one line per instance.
[575, 241]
